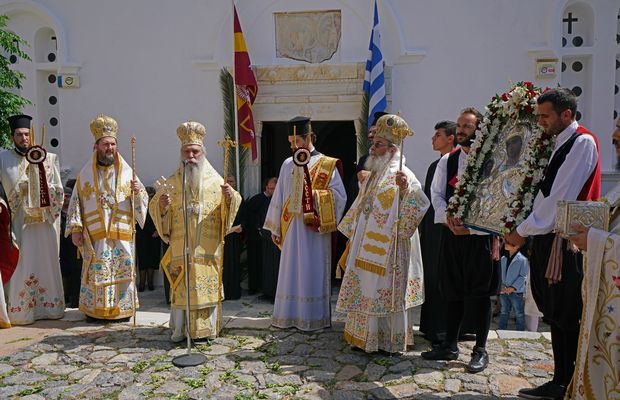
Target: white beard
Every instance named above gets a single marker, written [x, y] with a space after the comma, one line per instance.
[195, 172]
[378, 163]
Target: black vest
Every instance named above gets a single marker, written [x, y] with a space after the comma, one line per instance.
[556, 162]
[452, 170]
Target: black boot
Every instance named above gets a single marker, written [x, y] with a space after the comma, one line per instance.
[443, 352]
[479, 360]
[548, 391]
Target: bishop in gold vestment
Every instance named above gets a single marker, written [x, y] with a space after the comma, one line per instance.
[100, 223]
[383, 280]
[211, 209]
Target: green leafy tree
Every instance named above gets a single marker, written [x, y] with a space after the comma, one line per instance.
[10, 80]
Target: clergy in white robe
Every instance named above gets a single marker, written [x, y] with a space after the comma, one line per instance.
[211, 208]
[383, 278]
[100, 221]
[305, 209]
[35, 195]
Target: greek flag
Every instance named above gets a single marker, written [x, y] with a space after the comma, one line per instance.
[374, 82]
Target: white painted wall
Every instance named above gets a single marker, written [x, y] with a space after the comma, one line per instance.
[153, 64]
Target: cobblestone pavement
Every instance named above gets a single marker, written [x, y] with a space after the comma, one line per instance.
[252, 361]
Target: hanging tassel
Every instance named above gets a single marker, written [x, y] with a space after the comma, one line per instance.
[495, 248]
[553, 274]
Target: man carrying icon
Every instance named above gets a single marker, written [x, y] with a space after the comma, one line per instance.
[305, 208]
[31, 178]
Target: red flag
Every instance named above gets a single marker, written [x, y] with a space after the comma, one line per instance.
[245, 88]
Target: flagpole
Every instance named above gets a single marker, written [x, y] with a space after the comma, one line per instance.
[237, 175]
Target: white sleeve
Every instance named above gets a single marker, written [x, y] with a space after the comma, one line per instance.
[572, 175]
[438, 190]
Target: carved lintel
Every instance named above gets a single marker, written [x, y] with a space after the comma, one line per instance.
[305, 73]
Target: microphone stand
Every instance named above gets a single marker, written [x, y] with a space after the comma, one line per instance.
[188, 359]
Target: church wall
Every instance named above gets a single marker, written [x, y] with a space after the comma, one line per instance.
[152, 64]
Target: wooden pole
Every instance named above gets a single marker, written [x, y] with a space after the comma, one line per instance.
[133, 229]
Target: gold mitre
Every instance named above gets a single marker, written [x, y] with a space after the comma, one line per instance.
[393, 128]
[103, 126]
[191, 133]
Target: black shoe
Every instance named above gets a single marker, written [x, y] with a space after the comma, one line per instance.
[441, 353]
[548, 391]
[479, 360]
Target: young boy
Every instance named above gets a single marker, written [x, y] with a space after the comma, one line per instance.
[515, 269]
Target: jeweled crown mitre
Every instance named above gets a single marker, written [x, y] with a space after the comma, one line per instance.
[393, 128]
[191, 133]
[103, 126]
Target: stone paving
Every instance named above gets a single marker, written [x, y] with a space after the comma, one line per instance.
[253, 361]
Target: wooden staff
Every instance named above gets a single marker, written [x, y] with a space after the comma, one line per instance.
[403, 134]
[226, 144]
[134, 299]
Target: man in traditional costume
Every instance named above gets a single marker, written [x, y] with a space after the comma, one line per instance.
[597, 367]
[31, 178]
[467, 271]
[573, 173]
[305, 208]
[432, 321]
[383, 279]
[211, 208]
[100, 220]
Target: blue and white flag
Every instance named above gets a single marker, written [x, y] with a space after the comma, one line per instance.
[374, 81]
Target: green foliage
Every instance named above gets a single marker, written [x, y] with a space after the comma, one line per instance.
[362, 136]
[227, 86]
[10, 80]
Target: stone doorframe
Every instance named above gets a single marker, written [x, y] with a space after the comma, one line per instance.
[323, 92]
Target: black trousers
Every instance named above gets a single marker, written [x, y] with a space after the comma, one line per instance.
[466, 267]
[467, 274]
[560, 303]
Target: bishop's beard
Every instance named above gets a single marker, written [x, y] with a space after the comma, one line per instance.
[195, 171]
[377, 163]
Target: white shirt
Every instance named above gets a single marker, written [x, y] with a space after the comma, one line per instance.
[438, 188]
[572, 175]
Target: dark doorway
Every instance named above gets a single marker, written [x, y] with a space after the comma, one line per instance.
[334, 138]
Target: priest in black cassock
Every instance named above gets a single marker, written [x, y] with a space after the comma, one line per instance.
[233, 247]
[353, 186]
[269, 251]
[254, 224]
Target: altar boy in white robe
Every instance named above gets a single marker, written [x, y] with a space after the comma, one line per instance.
[31, 179]
[305, 209]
